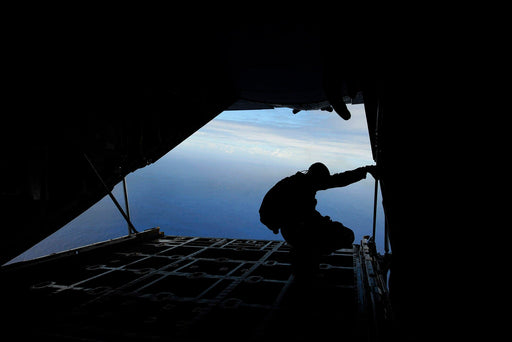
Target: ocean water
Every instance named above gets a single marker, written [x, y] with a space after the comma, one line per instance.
[198, 197]
[196, 190]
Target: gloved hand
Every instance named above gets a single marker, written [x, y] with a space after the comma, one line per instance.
[372, 169]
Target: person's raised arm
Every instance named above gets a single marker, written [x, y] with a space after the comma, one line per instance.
[349, 177]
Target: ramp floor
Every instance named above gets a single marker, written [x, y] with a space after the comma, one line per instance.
[189, 288]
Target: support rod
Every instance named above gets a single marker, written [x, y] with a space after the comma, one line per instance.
[386, 237]
[126, 205]
[130, 225]
[375, 207]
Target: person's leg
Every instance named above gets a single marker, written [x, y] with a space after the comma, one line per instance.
[304, 251]
[321, 235]
[308, 242]
[335, 236]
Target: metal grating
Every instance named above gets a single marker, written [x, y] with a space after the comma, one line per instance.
[190, 288]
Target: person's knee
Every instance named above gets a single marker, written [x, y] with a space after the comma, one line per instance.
[344, 235]
[294, 235]
[350, 235]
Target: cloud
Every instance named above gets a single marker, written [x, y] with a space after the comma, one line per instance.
[279, 135]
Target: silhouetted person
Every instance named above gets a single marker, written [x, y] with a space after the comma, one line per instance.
[290, 206]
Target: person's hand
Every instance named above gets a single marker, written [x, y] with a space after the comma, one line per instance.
[372, 169]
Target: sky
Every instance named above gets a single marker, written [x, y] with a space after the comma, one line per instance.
[279, 135]
[212, 184]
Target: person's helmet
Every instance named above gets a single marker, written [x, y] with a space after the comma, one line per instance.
[318, 170]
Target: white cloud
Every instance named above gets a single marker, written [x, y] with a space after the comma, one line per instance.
[316, 136]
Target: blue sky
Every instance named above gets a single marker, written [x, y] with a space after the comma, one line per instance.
[212, 183]
[279, 136]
